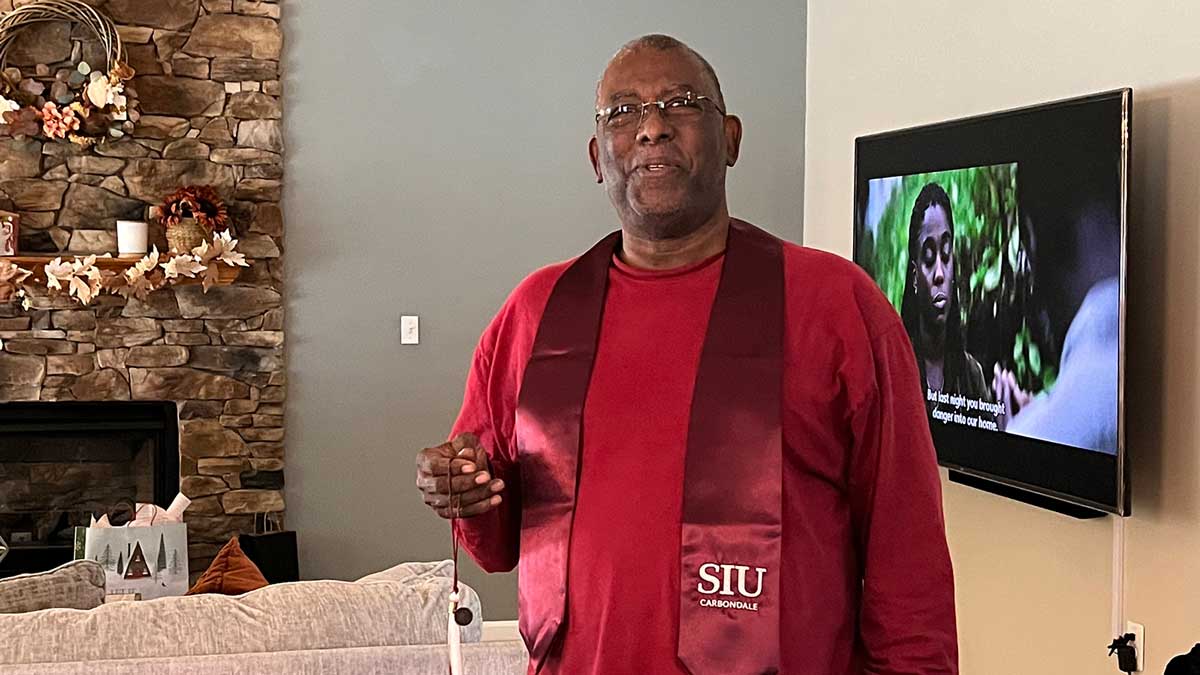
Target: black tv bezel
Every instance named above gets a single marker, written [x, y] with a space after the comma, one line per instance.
[1046, 472]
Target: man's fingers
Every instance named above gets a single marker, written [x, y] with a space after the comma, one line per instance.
[470, 460]
[469, 510]
[467, 475]
[460, 483]
[468, 446]
[433, 466]
[433, 460]
[464, 441]
[464, 499]
[459, 467]
[481, 457]
[439, 467]
[431, 463]
[466, 463]
[479, 507]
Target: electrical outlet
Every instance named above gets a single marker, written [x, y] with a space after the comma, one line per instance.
[410, 332]
[1139, 643]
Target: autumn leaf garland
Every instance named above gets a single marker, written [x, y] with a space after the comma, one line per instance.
[83, 281]
[11, 277]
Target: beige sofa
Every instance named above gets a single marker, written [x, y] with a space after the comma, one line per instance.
[389, 622]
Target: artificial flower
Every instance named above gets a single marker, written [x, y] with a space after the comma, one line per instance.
[56, 122]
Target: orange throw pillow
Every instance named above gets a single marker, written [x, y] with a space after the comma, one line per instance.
[231, 573]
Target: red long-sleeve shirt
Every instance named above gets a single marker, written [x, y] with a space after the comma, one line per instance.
[866, 583]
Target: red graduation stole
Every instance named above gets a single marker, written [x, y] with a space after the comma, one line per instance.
[732, 507]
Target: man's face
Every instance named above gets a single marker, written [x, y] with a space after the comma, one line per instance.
[935, 266]
[665, 175]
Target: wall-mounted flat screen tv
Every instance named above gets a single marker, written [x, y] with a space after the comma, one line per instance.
[1000, 241]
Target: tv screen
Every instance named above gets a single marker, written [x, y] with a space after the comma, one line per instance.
[1000, 241]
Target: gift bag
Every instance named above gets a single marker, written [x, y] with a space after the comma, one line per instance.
[150, 561]
[272, 549]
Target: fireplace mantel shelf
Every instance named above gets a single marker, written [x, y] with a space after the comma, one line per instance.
[35, 263]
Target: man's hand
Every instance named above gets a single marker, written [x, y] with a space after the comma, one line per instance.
[463, 465]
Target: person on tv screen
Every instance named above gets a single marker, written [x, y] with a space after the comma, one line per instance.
[930, 307]
[1081, 264]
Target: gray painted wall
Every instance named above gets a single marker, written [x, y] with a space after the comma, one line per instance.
[436, 155]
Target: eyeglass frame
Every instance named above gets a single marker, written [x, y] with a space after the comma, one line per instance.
[602, 113]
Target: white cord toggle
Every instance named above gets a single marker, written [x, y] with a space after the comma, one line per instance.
[454, 636]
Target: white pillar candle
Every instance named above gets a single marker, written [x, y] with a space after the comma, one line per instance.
[131, 237]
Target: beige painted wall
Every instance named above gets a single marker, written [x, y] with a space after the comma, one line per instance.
[1029, 579]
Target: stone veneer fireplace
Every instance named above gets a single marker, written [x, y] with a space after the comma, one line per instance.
[62, 464]
[210, 96]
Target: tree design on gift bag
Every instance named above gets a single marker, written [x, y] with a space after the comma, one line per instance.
[106, 558]
[175, 568]
[137, 568]
[161, 563]
[121, 563]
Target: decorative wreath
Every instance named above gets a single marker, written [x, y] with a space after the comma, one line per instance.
[82, 105]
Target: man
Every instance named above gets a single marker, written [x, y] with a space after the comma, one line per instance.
[705, 448]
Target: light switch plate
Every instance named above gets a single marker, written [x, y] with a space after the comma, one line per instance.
[410, 330]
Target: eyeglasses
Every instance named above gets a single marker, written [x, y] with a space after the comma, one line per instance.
[626, 116]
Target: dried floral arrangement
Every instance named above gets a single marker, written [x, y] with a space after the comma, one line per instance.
[82, 280]
[84, 104]
[199, 202]
[192, 214]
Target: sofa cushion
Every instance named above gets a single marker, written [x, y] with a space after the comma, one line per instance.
[481, 658]
[294, 616]
[412, 570]
[76, 585]
[231, 573]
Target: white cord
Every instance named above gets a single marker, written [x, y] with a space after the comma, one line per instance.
[454, 637]
[1118, 576]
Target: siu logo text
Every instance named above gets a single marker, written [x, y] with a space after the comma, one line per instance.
[730, 581]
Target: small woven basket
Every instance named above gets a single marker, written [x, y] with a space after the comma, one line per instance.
[186, 235]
